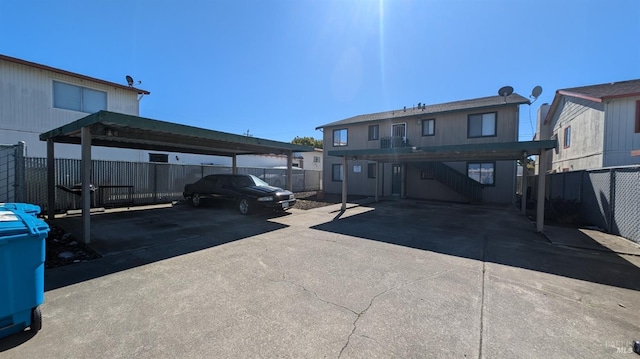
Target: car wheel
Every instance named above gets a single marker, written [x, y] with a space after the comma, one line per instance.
[244, 206]
[195, 199]
[36, 320]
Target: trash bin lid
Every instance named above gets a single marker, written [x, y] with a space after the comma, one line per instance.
[15, 222]
[24, 207]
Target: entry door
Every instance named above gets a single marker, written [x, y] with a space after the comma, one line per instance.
[396, 179]
[399, 130]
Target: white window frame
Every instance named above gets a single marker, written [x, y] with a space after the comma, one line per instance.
[404, 126]
[83, 100]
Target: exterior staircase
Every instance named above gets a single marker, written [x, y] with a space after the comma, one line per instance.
[455, 180]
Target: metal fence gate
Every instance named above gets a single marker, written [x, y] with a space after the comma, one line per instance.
[609, 198]
[12, 173]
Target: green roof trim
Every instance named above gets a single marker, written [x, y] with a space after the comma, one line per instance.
[476, 151]
[112, 129]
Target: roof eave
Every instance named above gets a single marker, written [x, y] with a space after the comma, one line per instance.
[335, 124]
[73, 74]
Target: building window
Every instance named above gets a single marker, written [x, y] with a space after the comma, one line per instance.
[340, 137]
[371, 170]
[482, 172]
[374, 132]
[399, 130]
[76, 98]
[481, 125]
[428, 127]
[638, 116]
[337, 173]
[158, 157]
[316, 159]
[427, 173]
[567, 137]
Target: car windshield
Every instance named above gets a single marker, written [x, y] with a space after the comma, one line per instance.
[248, 181]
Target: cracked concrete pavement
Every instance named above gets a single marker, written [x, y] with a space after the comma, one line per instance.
[391, 279]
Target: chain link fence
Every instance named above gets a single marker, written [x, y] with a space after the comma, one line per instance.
[609, 198]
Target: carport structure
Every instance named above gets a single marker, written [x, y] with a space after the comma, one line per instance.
[500, 151]
[110, 129]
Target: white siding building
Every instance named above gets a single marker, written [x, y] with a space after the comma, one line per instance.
[596, 126]
[36, 98]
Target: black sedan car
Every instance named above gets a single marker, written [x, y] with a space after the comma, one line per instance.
[249, 192]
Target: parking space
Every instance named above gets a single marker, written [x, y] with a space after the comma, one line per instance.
[388, 279]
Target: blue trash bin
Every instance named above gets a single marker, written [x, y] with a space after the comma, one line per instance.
[22, 256]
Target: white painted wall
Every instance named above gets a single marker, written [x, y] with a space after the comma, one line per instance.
[26, 110]
[620, 137]
[308, 162]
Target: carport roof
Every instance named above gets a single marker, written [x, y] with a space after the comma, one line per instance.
[112, 129]
[468, 152]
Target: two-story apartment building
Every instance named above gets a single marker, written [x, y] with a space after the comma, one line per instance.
[35, 98]
[453, 151]
[596, 126]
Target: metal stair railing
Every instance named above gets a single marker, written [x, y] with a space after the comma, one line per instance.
[455, 180]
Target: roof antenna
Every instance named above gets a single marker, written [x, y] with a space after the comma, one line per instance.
[535, 93]
[130, 81]
[505, 91]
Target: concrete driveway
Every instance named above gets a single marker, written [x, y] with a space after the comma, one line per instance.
[391, 279]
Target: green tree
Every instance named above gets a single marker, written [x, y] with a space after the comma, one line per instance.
[307, 141]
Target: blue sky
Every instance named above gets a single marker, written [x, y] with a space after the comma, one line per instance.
[280, 68]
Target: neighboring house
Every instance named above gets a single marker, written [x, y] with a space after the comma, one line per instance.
[596, 126]
[310, 160]
[420, 134]
[36, 98]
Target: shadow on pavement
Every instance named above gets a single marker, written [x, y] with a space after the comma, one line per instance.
[130, 239]
[15, 340]
[491, 234]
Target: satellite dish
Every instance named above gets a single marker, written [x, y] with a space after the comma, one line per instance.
[505, 91]
[129, 80]
[536, 92]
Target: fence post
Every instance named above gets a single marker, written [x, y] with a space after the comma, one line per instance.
[20, 173]
[155, 183]
[612, 198]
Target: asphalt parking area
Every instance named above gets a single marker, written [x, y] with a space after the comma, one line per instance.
[390, 279]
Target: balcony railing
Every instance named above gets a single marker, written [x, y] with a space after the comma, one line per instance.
[394, 142]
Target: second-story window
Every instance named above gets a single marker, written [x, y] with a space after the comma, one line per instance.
[340, 137]
[567, 137]
[481, 125]
[638, 116]
[428, 127]
[374, 132]
[77, 98]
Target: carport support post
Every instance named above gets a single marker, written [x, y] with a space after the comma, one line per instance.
[289, 171]
[542, 174]
[523, 184]
[86, 181]
[344, 183]
[377, 179]
[51, 186]
[234, 164]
